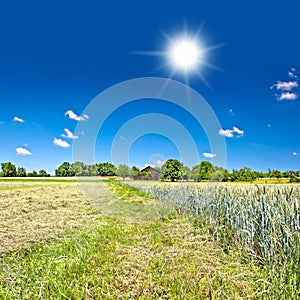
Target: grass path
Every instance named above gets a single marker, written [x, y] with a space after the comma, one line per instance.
[112, 259]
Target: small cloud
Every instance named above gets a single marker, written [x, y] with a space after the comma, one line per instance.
[230, 133]
[61, 143]
[69, 134]
[292, 73]
[17, 119]
[123, 138]
[285, 85]
[269, 125]
[74, 116]
[287, 88]
[287, 96]
[295, 153]
[238, 131]
[159, 162]
[226, 133]
[23, 151]
[231, 112]
[209, 155]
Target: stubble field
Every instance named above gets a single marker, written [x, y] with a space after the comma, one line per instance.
[35, 211]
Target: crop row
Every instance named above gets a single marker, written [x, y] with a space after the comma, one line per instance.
[263, 220]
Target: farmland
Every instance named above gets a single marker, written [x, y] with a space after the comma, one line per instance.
[261, 220]
[55, 245]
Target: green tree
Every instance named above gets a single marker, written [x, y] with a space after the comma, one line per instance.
[21, 172]
[123, 171]
[158, 169]
[202, 171]
[8, 170]
[135, 172]
[226, 176]
[245, 174]
[172, 169]
[276, 174]
[217, 175]
[32, 174]
[43, 173]
[106, 169]
[64, 170]
[186, 173]
[91, 170]
[78, 168]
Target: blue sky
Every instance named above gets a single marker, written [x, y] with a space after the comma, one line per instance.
[55, 57]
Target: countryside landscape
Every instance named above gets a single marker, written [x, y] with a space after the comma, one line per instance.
[175, 238]
[149, 150]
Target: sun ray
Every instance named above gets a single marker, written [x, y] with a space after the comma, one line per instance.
[199, 29]
[186, 54]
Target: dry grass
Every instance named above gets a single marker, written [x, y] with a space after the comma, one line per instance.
[32, 211]
[110, 259]
[180, 258]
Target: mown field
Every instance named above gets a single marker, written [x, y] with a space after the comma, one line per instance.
[125, 244]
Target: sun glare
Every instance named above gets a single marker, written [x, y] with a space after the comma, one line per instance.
[185, 54]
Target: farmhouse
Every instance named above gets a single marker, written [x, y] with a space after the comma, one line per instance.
[153, 174]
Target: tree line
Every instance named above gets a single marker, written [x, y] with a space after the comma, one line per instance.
[10, 170]
[171, 170]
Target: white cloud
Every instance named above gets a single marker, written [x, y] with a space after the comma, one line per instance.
[238, 131]
[227, 133]
[231, 111]
[73, 116]
[287, 96]
[22, 151]
[209, 155]
[292, 73]
[287, 88]
[285, 85]
[295, 153]
[17, 119]
[159, 162]
[269, 125]
[69, 134]
[123, 138]
[230, 133]
[61, 143]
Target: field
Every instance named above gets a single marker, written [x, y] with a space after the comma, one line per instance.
[126, 244]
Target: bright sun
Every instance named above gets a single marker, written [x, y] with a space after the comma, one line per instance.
[185, 54]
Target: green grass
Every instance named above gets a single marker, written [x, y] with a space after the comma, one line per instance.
[166, 258]
[110, 259]
[124, 191]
